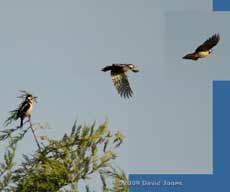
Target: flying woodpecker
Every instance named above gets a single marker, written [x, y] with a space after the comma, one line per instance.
[205, 49]
[120, 79]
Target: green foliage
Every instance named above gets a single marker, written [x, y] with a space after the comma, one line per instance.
[61, 164]
[7, 165]
[44, 175]
[11, 118]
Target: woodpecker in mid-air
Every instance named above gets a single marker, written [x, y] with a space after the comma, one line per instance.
[25, 108]
[120, 79]
[205, 49]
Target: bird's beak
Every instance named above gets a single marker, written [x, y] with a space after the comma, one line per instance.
[135, 69]
[35, 99]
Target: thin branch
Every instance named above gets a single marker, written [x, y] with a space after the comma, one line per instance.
[35, 138]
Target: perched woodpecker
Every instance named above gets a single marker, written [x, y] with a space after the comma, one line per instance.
[25, 108]
[205, 49]
[120, 79]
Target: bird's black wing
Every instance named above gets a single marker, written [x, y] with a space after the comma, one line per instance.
[114, 67]
[24, 107]
[209, 43]
[120, 81]
[107, 68]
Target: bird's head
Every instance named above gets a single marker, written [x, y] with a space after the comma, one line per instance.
[133, 68]
[31, 98]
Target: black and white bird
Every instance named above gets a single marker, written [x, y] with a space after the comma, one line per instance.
[205, 49]
[120, 79]
[25, 108]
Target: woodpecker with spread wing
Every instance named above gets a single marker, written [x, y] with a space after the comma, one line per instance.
[25, 108]
[120, 79]
[205, 49]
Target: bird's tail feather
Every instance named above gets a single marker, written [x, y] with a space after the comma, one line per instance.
[190, 56]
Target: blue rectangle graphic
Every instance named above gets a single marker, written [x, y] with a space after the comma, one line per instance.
[221, 5]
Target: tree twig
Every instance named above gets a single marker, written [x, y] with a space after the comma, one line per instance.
[35, 138]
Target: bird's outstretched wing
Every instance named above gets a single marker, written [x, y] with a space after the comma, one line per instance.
[107, 68]
[209, 43]
[120, 81]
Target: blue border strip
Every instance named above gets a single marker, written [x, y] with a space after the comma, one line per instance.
[219, 180]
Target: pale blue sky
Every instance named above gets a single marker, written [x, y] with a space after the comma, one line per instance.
[56, 49]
